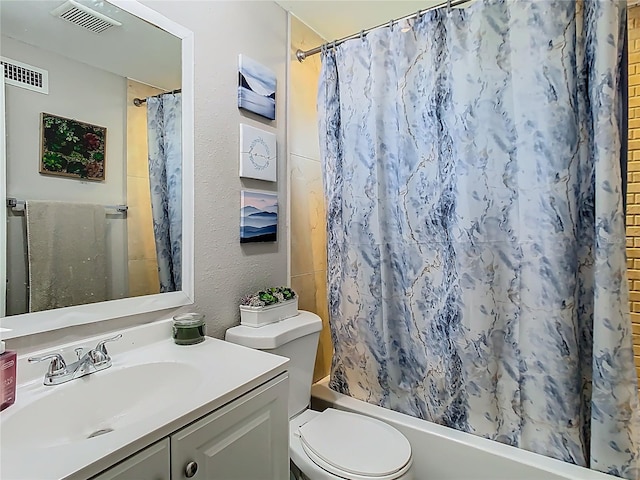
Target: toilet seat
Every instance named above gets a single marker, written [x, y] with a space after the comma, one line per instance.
[353, 446]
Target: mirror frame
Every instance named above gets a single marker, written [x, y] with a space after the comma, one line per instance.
[3, 212]
[31, 323]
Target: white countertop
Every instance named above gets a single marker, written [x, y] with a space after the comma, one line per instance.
[227, 371]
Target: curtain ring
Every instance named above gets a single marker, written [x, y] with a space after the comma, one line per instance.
[361, 34]
[448, 6]
[333, 45]
[391, 24]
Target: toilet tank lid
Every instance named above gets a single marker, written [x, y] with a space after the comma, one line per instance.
[275, 334]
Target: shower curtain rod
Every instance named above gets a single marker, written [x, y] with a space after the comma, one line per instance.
[138, 102]
[301, 55]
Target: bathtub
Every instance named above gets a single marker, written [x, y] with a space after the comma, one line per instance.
[442, 453]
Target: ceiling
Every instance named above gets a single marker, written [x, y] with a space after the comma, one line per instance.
[335, 19]
[126, 50]
[136, 50]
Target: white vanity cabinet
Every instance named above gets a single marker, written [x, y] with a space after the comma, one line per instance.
[158, 407]
[247, 439]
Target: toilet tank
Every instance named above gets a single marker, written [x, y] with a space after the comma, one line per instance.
[295, 338]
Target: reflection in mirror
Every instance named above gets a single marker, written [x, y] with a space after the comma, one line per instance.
[78, 148]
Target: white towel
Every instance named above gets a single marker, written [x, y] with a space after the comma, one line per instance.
[66, 245]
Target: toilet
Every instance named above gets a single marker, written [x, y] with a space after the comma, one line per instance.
[329, 445]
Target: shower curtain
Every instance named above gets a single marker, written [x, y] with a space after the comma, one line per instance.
[476, 237]
[164, 130]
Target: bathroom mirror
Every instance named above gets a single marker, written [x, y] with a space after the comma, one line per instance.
[74, 135]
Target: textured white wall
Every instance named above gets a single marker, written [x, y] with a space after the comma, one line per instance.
[224, 270]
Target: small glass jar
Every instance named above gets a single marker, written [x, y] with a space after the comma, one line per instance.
[188, 328]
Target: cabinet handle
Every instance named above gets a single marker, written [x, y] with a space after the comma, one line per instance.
[190, 469]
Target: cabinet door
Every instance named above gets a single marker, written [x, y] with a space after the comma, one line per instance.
[247, 439]
[152, 463]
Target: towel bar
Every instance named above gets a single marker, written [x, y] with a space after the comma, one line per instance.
[19, 205]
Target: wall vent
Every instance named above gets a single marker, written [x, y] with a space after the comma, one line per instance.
[84, 17]
[25, 76]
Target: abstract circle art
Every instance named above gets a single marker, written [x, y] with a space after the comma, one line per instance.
[257, 153]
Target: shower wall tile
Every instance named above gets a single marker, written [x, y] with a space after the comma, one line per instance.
[143, 277]
[137, 151]
[303, 91]
[141, 242]
[308, 223]
[312, 292]
[143, 264]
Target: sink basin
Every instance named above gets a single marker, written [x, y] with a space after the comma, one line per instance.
[95, 405]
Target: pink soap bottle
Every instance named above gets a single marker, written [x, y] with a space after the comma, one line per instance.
[7, 377]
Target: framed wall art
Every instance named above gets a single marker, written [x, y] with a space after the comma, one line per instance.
[70, 148]
[257, 153]
[256, 88]
[258, 216]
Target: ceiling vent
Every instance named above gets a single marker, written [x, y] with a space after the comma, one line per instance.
[84, 17]
[25, 76]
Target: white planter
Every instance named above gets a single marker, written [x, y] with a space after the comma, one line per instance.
[258, 316]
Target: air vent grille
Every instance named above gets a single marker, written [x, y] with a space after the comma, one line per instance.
[25, 76]
[84, 17]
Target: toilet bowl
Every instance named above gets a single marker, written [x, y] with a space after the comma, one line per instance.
[333, 444]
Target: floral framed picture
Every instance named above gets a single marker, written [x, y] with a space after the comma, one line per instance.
[70, 148]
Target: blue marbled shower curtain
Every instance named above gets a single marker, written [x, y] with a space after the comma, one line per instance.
[164, 130]
[476, 236]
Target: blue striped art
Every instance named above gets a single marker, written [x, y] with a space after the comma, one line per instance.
[258, 216]
[256, 88]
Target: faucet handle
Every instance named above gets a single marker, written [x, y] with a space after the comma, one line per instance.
[100, 346]
[57, 365]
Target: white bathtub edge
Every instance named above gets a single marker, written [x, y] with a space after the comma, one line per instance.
[545, 465]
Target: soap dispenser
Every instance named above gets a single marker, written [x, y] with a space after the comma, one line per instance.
[7, 377]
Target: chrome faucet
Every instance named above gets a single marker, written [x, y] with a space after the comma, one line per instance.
[91, 362]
